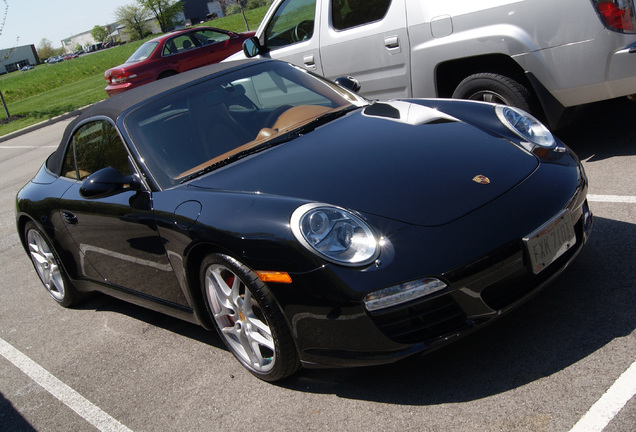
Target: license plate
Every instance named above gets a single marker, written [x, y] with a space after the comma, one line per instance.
[550, 241]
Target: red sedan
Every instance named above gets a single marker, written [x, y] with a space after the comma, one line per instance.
[173, 53]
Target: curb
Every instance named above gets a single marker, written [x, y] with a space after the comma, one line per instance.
[42, 124]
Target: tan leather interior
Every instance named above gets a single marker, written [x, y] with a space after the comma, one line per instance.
[298, 114]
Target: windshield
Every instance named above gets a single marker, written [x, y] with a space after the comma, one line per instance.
[187, 131]
[143, 52]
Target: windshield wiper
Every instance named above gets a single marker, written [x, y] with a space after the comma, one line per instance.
[323, 119]
[240, 155]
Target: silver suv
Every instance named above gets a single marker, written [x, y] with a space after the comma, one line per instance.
[540, 55]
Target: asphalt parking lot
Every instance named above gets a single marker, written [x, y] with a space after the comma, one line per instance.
[565, 358]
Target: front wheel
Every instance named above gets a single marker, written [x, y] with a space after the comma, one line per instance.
[247, 318]
[494, 88]
[48, 267]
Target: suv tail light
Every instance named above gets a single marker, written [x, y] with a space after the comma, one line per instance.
[617, 14]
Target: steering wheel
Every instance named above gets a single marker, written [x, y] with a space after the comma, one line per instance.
[303, 30]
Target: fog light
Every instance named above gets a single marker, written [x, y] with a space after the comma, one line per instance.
[398, 294]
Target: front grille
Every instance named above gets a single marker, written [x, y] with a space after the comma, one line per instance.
[421, 321]
[500, 279]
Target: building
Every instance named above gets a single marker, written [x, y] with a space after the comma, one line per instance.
[195, 11]
[215, 9]
[14, 59]
[84, 39]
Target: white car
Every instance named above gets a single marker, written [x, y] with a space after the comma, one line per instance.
[540, 55]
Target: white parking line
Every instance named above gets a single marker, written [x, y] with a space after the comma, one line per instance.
[69, 397]
[612, 198]
[606, 408]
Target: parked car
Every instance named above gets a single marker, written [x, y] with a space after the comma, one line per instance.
[538, 55]
[173, 53]
[26, 68]
[308, 225]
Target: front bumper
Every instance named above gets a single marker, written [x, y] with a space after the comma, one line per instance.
[481, 257]
[478, 292]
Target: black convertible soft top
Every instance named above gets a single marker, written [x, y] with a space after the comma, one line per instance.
[114, 106]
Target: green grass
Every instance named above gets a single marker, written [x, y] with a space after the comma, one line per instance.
[51, 90]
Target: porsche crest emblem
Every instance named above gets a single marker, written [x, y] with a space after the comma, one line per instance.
[481, 179]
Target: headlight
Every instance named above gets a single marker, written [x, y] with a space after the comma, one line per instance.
[335, 234]
[525, 126]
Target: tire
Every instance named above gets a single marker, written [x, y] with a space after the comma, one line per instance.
[166, 74]
[48, 267]
[247, 318]
[495, 88]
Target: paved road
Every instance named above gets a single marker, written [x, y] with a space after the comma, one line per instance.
[542, 368]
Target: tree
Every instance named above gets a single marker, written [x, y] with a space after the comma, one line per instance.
[99, 33]
[165, 11]
[3, 21]
[45, 49]
[240, 4]
[134, 18]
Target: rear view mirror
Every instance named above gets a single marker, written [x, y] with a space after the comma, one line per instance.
[107, 182]
[349, 83]
[252, 47]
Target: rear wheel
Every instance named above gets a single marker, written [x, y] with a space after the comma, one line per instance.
[48, 267]
[166, 74]
[247, 318]
[494, 88]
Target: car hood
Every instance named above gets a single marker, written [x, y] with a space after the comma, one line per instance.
[397, 160]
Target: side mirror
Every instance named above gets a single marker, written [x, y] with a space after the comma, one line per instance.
[349, 83]
[252, 47]
[107, 182]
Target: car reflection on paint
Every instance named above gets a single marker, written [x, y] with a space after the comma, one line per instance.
[307, 225]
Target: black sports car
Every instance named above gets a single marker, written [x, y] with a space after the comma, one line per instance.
[308, 225]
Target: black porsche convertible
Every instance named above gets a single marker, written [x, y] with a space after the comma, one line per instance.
[307, 225]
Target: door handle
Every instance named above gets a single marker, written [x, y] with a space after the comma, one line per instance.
[69, 217]
[309, 61]
[392, 42]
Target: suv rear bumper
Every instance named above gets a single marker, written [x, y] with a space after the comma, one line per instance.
[579, 79]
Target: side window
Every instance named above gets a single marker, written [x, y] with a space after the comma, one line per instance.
[178, 44]
[94, 146]
[293, 22]
[206, 37]
[346, 14]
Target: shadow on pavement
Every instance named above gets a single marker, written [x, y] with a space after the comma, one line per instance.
[11, 419]
[596, 125]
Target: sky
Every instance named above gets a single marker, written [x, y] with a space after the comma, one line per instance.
[33, 20]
